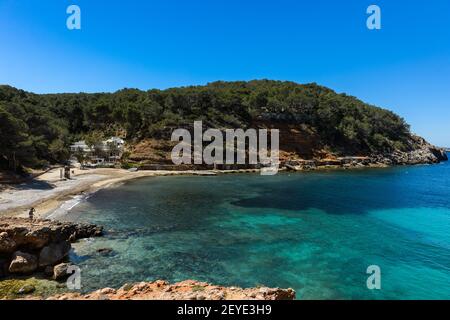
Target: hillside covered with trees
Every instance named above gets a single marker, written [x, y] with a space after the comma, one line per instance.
[37, 129]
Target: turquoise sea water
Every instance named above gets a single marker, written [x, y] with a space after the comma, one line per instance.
[316, 232]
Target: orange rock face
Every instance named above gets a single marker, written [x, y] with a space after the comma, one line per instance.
[185, 290]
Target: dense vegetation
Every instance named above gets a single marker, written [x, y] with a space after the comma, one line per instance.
[37, 129]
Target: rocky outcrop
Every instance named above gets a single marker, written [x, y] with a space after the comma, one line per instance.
[54, 253]
[60, 271]
[185, 290]
[23, 263]
[419, 156]
[37, 234]
[27, 246]
[421, 153]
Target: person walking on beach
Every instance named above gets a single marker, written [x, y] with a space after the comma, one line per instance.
[31, 213]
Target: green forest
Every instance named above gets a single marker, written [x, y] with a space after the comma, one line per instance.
[37, 129]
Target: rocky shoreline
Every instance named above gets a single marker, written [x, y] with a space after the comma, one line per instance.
[426, 154]
[185, 290]
[39, 246]
[295, 158]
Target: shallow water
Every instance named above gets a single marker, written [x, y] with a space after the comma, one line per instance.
[316, 232]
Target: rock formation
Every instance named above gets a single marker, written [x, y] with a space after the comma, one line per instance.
[60, 271]
[28, 246]
[23, 263]
[185, 290]
[422, 152]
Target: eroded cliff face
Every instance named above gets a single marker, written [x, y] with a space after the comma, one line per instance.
[29, 246]
[300, 149]
[185, 290]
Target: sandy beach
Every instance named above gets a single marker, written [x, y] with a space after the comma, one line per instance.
[48, 192]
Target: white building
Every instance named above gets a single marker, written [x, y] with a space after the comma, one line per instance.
[80, 145]
[117, 141]
[112, 148]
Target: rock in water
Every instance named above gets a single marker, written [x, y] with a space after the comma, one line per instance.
[105, 251]
[23, 263]
[54, 253]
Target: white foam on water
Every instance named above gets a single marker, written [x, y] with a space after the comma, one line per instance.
[67, 206]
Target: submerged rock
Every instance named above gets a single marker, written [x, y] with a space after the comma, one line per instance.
[105, 251]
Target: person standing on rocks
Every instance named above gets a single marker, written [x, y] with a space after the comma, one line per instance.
[31, 213]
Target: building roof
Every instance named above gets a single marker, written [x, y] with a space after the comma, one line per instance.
[116, 140]
[82, 144]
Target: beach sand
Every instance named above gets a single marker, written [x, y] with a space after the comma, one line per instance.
[48, 192]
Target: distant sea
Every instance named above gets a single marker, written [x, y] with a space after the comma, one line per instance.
[316, 232]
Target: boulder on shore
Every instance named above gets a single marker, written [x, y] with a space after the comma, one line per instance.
[23, 263]
[60, 271]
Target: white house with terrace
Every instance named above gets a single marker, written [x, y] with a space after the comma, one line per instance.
[107, 152]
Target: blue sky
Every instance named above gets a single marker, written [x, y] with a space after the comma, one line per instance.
[404, 67]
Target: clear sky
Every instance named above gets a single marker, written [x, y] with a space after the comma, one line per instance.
[404, 67]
